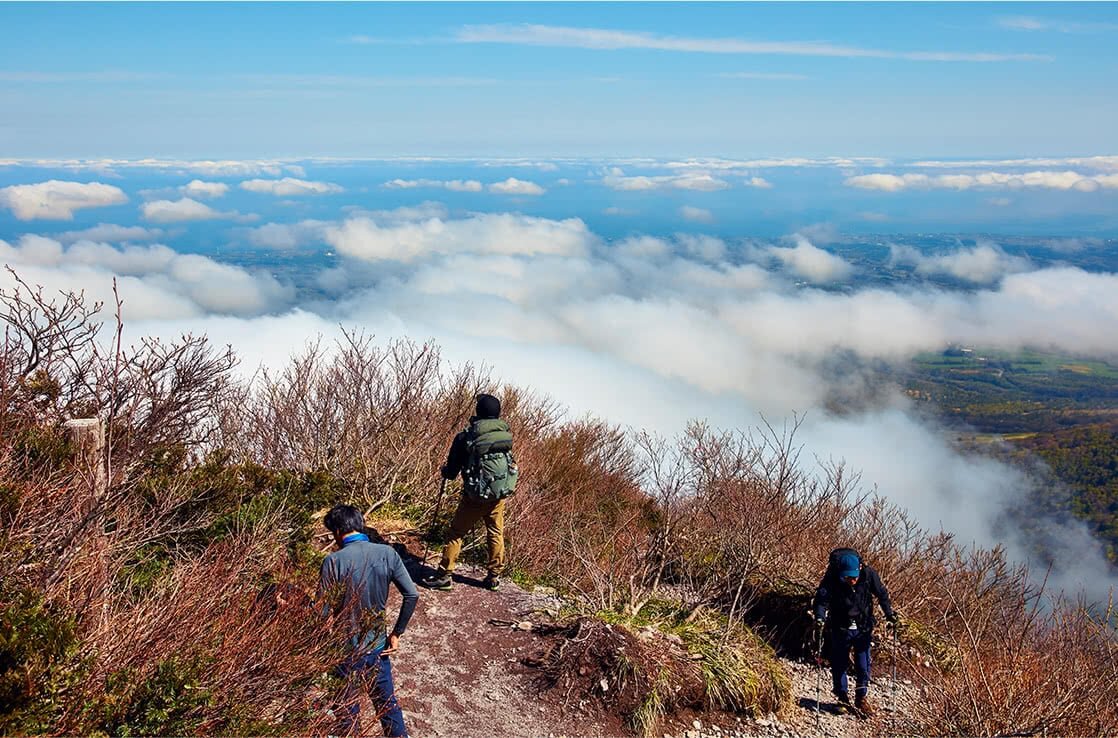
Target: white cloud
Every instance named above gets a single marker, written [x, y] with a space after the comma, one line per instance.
[983, 263]
[717, 164]
[1067, 180]
[812, 263]
[514, 186]
[204, 190]
[226, 168]
[543, 166]
[109, 233]
[698, 215]
[57, 200]
[365, 238]
[408, 213]
[886, 182]
[1098, 163]
[454, 185]
[873, 216]
[601, 38]
[155, 282]
[290, 187]
[176, 211]
[1073, 245]
[696, 181]
[1033, 23]
[287, 236]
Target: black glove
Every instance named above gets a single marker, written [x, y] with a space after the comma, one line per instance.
[893, 618]
[445, 471]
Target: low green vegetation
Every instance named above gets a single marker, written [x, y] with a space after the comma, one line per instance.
[1058, 408]
[1001, 392]
[1086, 460]
[739, 671]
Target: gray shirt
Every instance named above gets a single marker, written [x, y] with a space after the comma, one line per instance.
[355, 581]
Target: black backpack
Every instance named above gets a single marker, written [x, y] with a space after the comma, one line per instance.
[861, 597]
[834, 564]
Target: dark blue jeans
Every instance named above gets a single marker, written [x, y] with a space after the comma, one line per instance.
[371, 672]
[842, 641]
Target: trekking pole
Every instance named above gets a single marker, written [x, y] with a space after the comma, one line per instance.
[893, 688]
[434, 520]
[818, 675]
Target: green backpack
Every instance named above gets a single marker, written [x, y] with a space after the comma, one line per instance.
[491, 470]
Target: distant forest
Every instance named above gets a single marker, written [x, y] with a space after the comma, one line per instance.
[1062, 410]
[1085, 459]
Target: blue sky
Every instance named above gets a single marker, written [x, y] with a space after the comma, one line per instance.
[556, 79]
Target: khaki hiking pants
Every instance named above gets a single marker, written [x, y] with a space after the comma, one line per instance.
[469, 512]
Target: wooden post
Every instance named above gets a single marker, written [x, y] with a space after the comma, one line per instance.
[87, 436]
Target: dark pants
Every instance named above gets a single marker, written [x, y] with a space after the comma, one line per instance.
[373, 673]
[842, 641]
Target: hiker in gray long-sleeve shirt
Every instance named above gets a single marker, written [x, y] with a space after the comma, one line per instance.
[353, 584]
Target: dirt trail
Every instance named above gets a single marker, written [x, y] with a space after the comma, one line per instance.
[460, 673]
[801, 719]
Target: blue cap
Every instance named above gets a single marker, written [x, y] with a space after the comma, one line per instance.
[849, 566]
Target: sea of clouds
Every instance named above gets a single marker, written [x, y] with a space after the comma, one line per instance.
[647, 331]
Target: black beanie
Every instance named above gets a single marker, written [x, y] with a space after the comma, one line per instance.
[488, 406]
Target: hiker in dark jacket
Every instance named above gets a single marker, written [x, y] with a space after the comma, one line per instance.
[482, 455]
[353, 585]
[844, 605]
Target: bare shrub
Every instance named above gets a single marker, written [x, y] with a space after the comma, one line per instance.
[256, 665]
[580, 516]
[47, 359]
[1037, 673]
[642, 679]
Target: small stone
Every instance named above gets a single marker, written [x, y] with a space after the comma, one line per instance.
[525, 625]
[697, 724]
[692, 734]
[906, 681]
[604, 684]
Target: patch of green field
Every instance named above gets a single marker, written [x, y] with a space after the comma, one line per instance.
[1006, 392]
[1026, 361]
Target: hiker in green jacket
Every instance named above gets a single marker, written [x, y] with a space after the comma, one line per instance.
[482, 455]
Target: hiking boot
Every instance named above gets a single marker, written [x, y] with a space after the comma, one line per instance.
[492, 582]
[842, 707]
[438, 580]
[862, 702]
